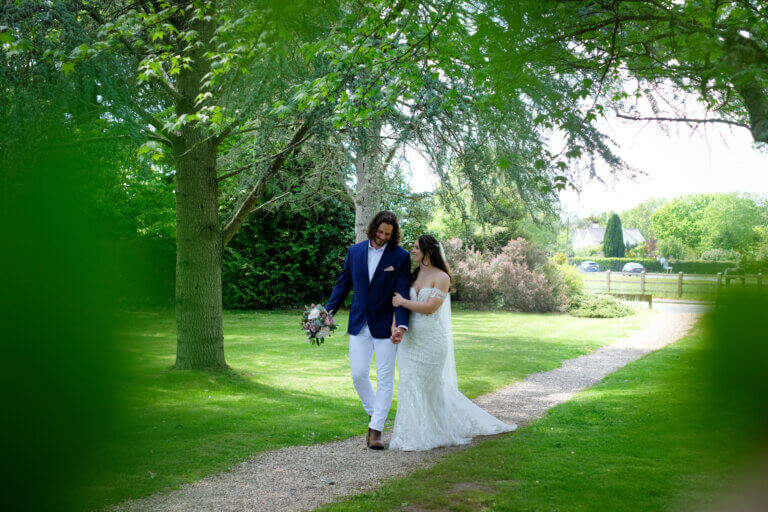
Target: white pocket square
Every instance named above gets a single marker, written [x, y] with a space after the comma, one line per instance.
[389, 269]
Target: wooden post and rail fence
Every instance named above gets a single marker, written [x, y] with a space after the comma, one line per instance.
[644, 286]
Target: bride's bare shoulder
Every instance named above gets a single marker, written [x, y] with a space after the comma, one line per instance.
[442, 281]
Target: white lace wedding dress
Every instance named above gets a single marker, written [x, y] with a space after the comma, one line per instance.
[431, 411]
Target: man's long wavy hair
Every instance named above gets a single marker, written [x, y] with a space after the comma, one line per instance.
[385, 217]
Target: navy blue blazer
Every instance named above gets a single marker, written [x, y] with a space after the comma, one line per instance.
[372, 301]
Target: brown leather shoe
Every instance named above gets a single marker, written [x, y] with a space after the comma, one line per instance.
[374, 440]
[368, 435]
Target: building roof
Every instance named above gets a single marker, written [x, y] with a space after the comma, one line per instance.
[590, 237]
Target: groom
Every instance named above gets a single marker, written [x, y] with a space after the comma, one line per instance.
[374, 269]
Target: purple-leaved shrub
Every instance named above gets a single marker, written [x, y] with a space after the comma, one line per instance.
[519, 278]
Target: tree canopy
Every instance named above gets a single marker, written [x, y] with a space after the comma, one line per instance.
[617, 51]
[697, 223]
[220, 111]
[639, 217]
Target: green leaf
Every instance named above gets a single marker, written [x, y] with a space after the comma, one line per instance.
[6, 36]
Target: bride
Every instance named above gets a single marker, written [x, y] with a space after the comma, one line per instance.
[431, 411]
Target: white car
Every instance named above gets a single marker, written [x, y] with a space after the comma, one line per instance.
[633, 268]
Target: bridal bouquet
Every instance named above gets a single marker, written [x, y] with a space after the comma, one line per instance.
[317, 323]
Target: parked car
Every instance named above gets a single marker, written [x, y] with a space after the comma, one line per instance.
[632, 268]
[589, 266]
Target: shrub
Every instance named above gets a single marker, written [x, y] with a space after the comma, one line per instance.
[473, 278]
[519, 277]
[591, 305]
[521, 289]
[672, 247]
[565, 279]
[720, 255]
[640, 251]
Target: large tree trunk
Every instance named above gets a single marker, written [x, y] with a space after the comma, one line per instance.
[369, 171]
[200, 336]
[199, 323]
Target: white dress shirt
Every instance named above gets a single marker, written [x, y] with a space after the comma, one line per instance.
[374, 257]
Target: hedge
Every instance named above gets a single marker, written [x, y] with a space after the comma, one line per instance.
[288, 258]
[652, 265]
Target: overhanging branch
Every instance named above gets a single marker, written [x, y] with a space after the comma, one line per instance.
[258, 190]
[683, 120]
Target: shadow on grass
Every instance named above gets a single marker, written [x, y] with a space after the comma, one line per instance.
[205, 425]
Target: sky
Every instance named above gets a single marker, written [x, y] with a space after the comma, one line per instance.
[715, 158]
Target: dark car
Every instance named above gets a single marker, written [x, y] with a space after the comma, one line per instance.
[589, 266]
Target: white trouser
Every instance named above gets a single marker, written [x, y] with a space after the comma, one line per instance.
[362, 346]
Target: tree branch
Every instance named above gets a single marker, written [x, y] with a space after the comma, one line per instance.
[167, 84]
[235, 172]
[267, 203]
[258, 191]
[683, 120]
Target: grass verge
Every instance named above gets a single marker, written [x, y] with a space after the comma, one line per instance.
[643, 439]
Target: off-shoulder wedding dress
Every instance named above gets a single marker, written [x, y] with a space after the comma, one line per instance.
[431, 411]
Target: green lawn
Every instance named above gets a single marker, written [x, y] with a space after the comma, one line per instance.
[644, 439]
[181, 426]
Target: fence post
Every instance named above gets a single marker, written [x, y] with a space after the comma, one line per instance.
[679, 285]
[608, 280]
[759, 281]
[642, 282]
[719, 281]
[727, 280]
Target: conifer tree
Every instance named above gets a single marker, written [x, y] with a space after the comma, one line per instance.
[613, 242]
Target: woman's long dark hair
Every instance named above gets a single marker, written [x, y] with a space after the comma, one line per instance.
[431, 247]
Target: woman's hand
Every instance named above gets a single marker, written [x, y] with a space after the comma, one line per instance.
[397, 300]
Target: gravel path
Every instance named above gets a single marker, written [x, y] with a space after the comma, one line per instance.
[304, 477]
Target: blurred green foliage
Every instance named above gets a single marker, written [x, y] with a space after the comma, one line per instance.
[62, 281]
[738, 362]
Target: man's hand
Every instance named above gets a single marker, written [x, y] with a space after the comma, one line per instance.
[397, 335]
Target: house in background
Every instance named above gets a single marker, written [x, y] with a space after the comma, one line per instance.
[591, 237]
